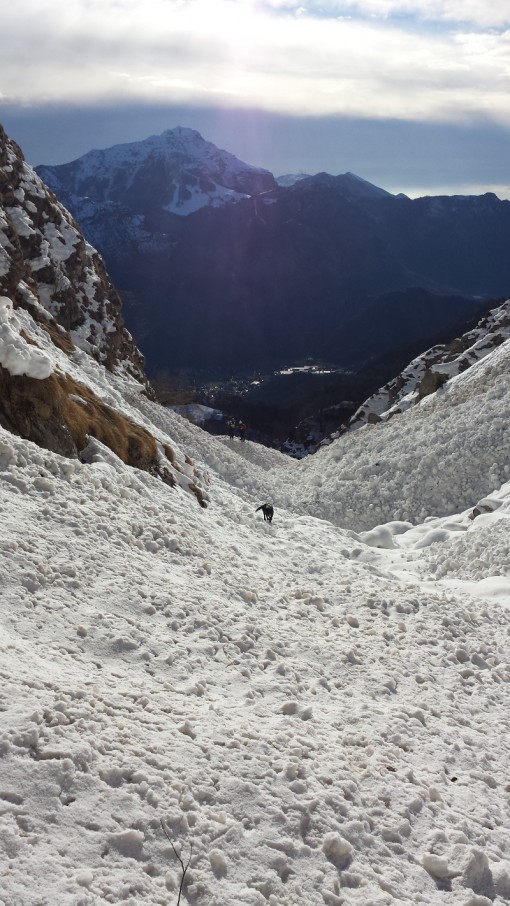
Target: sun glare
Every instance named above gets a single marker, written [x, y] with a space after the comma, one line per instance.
[224, 18]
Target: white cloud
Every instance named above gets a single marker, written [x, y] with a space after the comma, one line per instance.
[193, 50]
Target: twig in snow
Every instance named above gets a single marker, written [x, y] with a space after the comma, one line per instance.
[184, 867]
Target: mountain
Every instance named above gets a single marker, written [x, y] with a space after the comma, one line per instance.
[280, 273]
[177, 172]
[61, 333]
[199, 706]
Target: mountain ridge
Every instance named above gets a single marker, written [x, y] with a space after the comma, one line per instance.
[277, 273]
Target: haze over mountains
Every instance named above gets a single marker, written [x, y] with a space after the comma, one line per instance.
[222, 269]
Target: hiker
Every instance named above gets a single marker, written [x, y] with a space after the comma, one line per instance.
[231, 425]
[267, 510]
[241, 427]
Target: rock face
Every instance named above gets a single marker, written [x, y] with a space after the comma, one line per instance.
[259, 275]
[61, 331]
[48, 268]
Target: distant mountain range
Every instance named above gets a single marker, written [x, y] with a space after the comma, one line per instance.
[223, 268]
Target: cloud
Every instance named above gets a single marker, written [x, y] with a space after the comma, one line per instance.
[473, 12]
[355, 59]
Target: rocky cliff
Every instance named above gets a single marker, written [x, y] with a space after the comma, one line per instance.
[61, 332]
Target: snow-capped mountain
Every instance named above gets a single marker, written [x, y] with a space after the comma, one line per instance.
[280, 273]
[198, 706]
[177, 172]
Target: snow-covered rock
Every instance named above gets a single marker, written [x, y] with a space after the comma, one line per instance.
[432, 369]
[48, 268]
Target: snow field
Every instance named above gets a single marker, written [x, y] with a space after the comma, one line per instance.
[290, 700]
[435, 459]
[321, 712]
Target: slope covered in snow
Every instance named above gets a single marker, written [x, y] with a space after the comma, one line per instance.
[313, 711]
[435, 458]
[434, 367]
[316, 715]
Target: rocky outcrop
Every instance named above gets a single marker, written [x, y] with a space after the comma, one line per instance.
[49, 269]
[60, 319]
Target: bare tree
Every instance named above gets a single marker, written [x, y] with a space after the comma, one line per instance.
[184, 867]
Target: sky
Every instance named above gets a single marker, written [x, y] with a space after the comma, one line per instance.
[410, 94]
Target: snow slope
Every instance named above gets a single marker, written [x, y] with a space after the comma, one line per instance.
[434, 367]
[317, 714]
[436, 458]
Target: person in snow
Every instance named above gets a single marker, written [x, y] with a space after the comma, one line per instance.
[267, 510]
[231, 425]
[241, 427]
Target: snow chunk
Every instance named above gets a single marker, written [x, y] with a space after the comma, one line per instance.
[16, 355]
[218, 861]
[380, 536]
[85, 878]
[128, 842]
[336, 847]
[436, 866]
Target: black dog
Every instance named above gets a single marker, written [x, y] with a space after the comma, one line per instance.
[267, 509]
